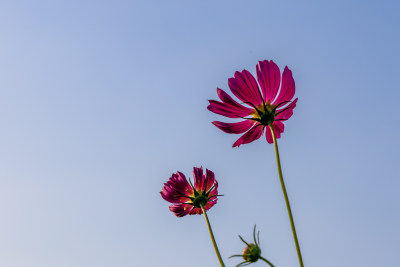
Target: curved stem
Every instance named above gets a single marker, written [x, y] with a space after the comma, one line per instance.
[267, 261]
[278, 161]
[212, 237]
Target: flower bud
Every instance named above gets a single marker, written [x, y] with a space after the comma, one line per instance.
[251, 253]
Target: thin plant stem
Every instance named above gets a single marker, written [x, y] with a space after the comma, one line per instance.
[267, 261]
[278, 162]
[212, 237]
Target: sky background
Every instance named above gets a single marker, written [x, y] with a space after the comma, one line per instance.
[101, 101]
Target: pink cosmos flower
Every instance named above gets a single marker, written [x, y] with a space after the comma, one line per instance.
[269, 106]
[188, 198]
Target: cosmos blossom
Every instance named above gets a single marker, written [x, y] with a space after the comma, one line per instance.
[267, 107]
[188, 198]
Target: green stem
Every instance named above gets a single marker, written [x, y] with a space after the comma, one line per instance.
[267, 261]
[278, 161]
[212, 237]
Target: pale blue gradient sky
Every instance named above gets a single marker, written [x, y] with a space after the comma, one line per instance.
[100, 101]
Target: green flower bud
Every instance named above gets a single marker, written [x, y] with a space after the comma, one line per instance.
[252, 252]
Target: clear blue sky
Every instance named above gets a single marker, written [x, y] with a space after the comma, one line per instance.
[100, 101]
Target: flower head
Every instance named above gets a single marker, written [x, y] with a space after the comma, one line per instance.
[188, 198]
[267, 107]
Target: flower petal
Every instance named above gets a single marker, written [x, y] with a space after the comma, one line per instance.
[288, 87]
[176, 189]
[252, 135]
[229, 100]
[209, 181]
[227, 110]
[180, 210]
[269, 78]
[279, 128]
[195, 211]
[268, 136]
[198, 178]
[234, 128]
[210, 204]
[213, 194]
[287, 111]
[244, 86]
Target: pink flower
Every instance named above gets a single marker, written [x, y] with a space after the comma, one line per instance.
[266, 107]
[188, 198]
